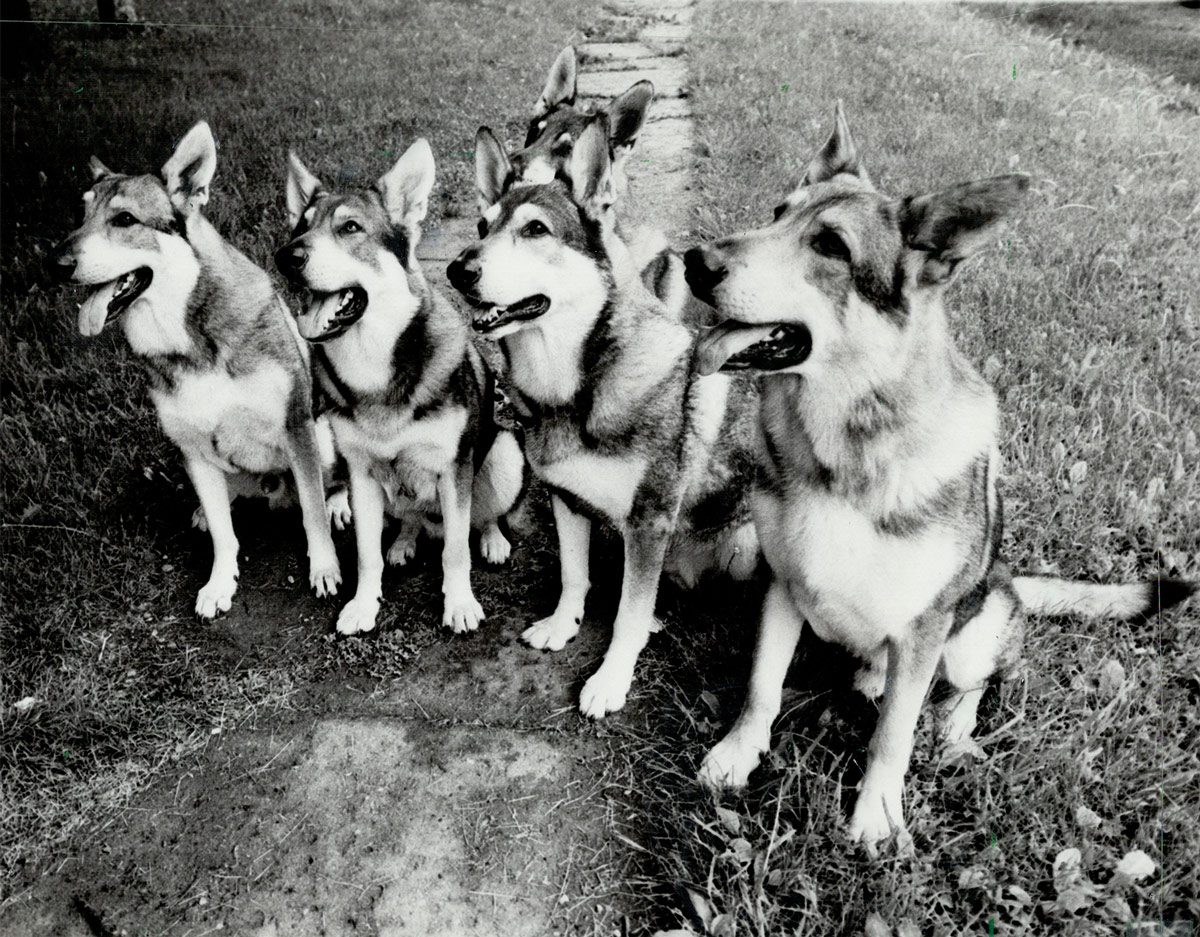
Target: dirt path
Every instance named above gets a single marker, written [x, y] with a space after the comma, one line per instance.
[467, 797]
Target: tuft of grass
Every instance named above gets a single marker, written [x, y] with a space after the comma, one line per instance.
[98, 568]
[1084, 317]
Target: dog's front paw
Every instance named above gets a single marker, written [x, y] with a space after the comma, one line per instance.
[337, 506]
[494, 546]
[358, 615]
[403, 548]
[199, 519]
[324, 575]
[728, 765]
[877, 815]
[217, 594]
[551, 634]
[461, 612]
[605, 690]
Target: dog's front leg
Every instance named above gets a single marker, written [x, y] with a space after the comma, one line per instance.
[367, 501]
[212, 489]
[645, 546]
[574, 541]
[912, 662]
[324, 574]
[733, 758]
[460, 611]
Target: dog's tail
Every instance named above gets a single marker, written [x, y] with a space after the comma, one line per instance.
[1046, 595]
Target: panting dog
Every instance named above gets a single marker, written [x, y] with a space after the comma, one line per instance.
[875, 496]
[619, 424]
[412, 400]
[229, 375]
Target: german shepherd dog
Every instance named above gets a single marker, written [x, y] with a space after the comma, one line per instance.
[875, 497]
[413, 401]
[229, 375]
[620, 426]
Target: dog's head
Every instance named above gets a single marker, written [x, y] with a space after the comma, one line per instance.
[355, 252]
[553, 130]
[844, 277]
[133, 239]
[542, 257]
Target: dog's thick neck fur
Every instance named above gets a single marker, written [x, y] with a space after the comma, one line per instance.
[886, 442]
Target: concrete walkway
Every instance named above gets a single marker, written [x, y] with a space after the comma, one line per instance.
[469, 798]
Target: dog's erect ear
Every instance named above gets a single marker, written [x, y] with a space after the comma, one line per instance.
[190, 169]
[627, 113]
[560, 83]
[491, 168]
[302, 185]
[98, 169]
[406, 186]
[838, 155]
[591, 169]
[953, 224]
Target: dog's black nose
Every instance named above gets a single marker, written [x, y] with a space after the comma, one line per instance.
[290, 259]
[463, 271]
[702, 272]
[60, 263]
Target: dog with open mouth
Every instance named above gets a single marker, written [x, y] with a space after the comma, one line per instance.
[412, 402]
[229, 375]
[875, 495]
[619, 424]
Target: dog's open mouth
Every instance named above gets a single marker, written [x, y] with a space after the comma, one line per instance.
[109, 300]
[488, 318]
[737, 346]
[328, 315]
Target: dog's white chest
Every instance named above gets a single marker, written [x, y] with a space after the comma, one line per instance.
[237, 423]
[412, 453]
[607, 483]
[859, 586]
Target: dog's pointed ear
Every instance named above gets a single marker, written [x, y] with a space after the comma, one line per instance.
[560, 83]
[190, 169]
[627, 114]
[491, 168]
[406, 187]
[951, 225]
[98, 169]
[591, 169]
[838, 155]
[302, 185]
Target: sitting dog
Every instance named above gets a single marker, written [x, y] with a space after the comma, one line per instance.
[413, 401]
[619, 425]
[229, 376]
[875, 497]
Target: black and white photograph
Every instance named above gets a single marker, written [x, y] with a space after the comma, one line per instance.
[599, 468]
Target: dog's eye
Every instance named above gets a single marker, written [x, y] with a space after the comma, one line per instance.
[779, 210]
[350, 227]
[535, 229]
[828, 243]
[123, 220]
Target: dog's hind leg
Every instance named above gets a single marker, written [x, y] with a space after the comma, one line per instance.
[574, 542]
[987, 644]
[871, 678]
[404, 547]
[213, 490]
[645, 547]
[496, 490]
[732, 759]
[304, 456]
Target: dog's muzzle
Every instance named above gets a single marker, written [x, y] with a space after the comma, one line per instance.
[328, 315]
[702, 273]
[106, 302]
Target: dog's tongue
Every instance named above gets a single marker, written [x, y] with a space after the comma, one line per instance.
[725, 340]
[320, 312]
[93, 313]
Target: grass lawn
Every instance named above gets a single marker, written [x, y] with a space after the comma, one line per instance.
[1162, 38]
[99, 566]
[1085, 318]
